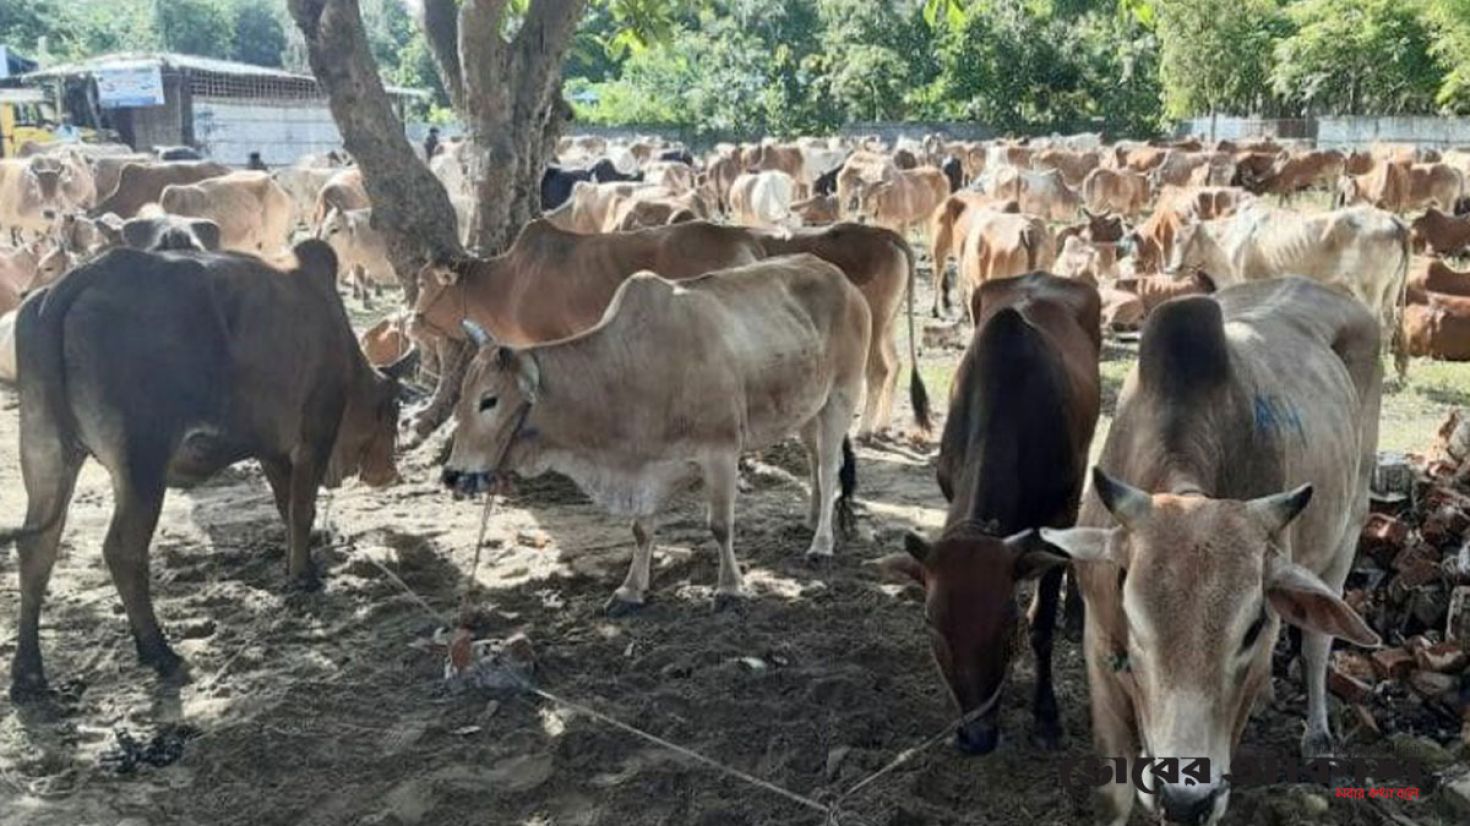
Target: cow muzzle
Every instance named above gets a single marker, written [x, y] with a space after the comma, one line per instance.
[979, 737]
[1192, 805]
[467, 484]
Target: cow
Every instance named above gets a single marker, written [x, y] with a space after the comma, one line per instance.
[767, 350]
[1073, 166]
[344, 191]
[1013, 458]
[162, 232]
[817, 210]
[763, 199]
[641, 213]
[32, 198]
[1293, 174]
[1002, 245]
[107, 170]
[552, 284]
[1439, 233]
[904, 201]
[1431, 275]
[590, 208]
[1153, 290]
[1152, 243]
[1362, 250]
[362, 251]
[1039, 193]
[253, 213]
[18, 268]
[720, 174]
[1435, 185]
[1115, 190]
[948, 226]
[140, 184]
[880, 263]
[302, 184]
[674, 176]
[861, 170]
[103, 375]
[8, 369]
[387, 341]
[954, 171]
[1197, 539]
[1438, 326]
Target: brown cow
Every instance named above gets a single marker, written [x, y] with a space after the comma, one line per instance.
[906, 200]
[1154, 290]
[1013, 456]
[387, 341]
[1002, 245]
[1115, 190]
[1431, 275]
[948, 226]
[1440, 233]
[1074, 166]
[860, 171]
[140, 184]
[1386, 186]
[253, 213]
[1439, 327]
[102, 374]
[817, 210]
[344, 190]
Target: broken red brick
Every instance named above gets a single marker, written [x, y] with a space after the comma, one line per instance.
[1392, 663]
[1354, 664]
[1348, 688]
[1382, 538]
[1445, 657]
[1457, 625]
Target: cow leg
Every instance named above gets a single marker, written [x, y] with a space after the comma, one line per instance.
[631, 594]
[50, 471]
[1317, 741]
[278, 474]
[139, 499]
[721, 477]
[1112, 727]
[307, 469]
[882, 373]
[1048, 732]
[810, 439]
[829, 461]
[1072, 610]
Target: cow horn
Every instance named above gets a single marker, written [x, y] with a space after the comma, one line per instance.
[1127, 504]
[476, 333]
[1277, 510]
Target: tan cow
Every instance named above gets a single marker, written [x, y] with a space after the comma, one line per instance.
[140, 184]
[904, 201]
[1195, 542]
[32, 198]
[1002, 245]
[859, 172]
[107, 170]
[362, 251]
[591, 206]
[675, 176]
[1362, 250]
[253, 213]
[344, 190]
[1074, 166]
[302, 184]
[1039, 193]
[1116, 190]
[1152, 243]
[949, 224]
[766, 350]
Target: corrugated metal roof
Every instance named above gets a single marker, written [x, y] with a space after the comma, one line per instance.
[169, 60]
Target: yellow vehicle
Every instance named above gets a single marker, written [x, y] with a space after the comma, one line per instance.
[25, 116]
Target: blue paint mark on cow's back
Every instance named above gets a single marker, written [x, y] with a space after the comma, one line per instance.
[1274, 414]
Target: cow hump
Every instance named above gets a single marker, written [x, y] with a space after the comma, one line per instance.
[316, 260]
[1183, 347]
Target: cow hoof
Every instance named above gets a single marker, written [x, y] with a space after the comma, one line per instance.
[169, 666]
[619, 606]
[28, 688]
[1317, 745]
[818, 556]
[309, 582]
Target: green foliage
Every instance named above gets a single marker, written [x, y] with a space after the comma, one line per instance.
[259, 36]
[1450, 24]
[1357, 56]
[197, 27]
[1216, 55]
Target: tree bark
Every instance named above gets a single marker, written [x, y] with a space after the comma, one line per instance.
[410, 206]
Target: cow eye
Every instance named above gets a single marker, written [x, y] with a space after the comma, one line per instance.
[488, 403]
[1253, 633]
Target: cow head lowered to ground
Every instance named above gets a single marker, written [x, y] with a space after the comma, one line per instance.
[1203, 586]
[499, 389]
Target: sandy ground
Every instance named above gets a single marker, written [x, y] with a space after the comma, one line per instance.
[329, 708]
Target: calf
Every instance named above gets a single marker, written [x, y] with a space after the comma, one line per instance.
[362, 251]
[1012, 458]
[1002, 245]
[166, 368]
[1440, 234]
[770, 349]
[1251, 451]
[1438, 326]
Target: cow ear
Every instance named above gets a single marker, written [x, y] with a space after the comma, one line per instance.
[1032, 557]
[910, 563]
[1127, 504]
[1305, 601]
[1086, 544]
[1275, 512]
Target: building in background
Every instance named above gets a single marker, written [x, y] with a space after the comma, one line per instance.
[225, 109]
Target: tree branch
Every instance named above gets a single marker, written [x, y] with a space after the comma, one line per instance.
[439, 20]
[482, 56]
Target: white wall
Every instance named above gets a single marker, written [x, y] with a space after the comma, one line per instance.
[229, 130]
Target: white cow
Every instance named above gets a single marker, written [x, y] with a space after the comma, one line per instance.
[763, 199]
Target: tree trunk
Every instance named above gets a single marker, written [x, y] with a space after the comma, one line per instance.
[410, 206]
[507, 92]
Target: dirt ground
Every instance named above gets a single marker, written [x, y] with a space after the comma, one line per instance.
[329, 708]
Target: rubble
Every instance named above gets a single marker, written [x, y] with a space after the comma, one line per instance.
[1411, 583]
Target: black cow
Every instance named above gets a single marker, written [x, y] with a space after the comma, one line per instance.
[1012, 459]
[954, 171]
[557, 181]
[826, 183]
[681, 155]
[166, 368]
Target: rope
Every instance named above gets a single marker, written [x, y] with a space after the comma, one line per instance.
[473, 582]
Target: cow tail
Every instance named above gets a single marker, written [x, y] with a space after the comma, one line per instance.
[918, 394]
[847, 482]
[1032, 242]
[1398, 342]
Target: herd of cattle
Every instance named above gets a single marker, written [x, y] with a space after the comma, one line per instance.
[667, 315]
